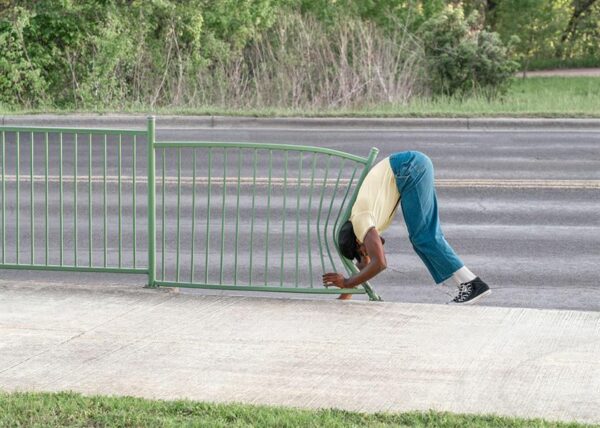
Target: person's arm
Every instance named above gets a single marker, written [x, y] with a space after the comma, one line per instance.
[374, 262]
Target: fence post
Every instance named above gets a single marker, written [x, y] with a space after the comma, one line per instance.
[151, 203]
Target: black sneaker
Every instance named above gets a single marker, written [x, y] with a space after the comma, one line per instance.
[471, 291]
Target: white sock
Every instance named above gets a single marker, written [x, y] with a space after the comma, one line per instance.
[463, 275]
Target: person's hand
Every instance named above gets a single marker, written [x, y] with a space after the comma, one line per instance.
[334, 279]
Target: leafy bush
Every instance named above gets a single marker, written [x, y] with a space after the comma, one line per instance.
[21, 82]
[112, 53]
[97, 54]
[463, 57]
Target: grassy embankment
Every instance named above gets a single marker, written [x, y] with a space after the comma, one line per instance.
[70, 409]
[530, 97]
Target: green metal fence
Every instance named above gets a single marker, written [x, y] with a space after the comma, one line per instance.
[56, 213]
[260, 217]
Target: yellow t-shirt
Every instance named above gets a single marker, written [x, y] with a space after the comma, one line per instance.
[376, 202]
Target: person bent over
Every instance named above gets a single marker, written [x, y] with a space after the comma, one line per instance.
[404, 179]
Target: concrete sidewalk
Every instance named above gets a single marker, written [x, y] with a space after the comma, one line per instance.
[351, 355]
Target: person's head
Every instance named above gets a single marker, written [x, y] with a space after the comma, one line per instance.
[347, 241]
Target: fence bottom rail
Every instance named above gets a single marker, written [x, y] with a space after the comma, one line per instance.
[74, 269]
[265, 288]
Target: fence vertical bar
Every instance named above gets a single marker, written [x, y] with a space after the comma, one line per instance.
[319, 212]
[105, 205]
[46, 183]
[3, 198]
[151, 135]
[237, 216]
[18, 191]
[164, 213]
[90, 201]
[60, 197]
[298, 216]
[32, 209]
[268, 215]
[178, 213]
[342, 205]
[285, 176]
[308, 216]
[254, 161]
[133, 177]
[119, 209]
[75, 201]
[223, 213]
[193, 216]
[337, 183]
[207, 234]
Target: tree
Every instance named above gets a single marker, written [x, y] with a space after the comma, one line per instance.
[582, 10]
[537, 23]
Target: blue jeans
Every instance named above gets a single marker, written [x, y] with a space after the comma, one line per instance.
[414, 178]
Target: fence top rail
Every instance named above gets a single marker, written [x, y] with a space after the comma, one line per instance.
[57, 130]
[262, 146]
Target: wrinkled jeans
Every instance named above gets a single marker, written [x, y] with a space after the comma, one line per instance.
[414, 178]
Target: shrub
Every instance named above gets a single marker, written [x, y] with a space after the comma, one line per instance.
[303, 63]
[113, 53]
[462, 57]
[21, 83]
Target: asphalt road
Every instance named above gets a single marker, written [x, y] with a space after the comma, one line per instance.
[537, 245]
[519, 206]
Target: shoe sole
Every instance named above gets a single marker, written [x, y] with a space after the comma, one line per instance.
[475, 299]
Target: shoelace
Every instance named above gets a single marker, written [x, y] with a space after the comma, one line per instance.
[464, 291]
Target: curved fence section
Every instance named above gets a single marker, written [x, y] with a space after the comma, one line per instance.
[259, 217]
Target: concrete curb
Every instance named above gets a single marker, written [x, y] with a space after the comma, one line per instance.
[166, 122]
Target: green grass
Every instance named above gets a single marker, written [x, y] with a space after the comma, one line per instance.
[530, 97]
[550, 63]
[70, 409]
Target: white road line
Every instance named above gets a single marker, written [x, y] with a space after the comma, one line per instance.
[520, 184]
[262, 181]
